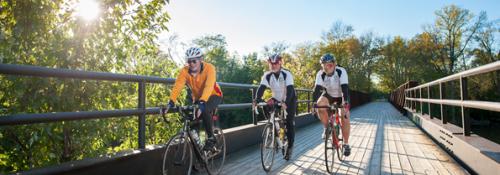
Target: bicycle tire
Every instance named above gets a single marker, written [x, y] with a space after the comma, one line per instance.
[178, 146]
[215, 162]
[329, 152]
[268, 146]
[340, 148]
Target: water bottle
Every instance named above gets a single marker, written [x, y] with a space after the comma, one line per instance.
[195, 136]
[282, 133]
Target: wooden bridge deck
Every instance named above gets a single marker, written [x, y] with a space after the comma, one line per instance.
[382, 142]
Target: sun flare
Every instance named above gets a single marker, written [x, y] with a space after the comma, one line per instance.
[87, 9]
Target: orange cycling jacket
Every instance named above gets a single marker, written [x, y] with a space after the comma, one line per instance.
[202, 86]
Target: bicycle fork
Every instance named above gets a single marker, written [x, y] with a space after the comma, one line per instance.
[181, 155]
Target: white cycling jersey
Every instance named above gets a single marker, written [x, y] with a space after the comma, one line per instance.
[277, 84]
[332, 83]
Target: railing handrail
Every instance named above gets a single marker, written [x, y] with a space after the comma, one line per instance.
[141, 110]
[19, 119]
[412, 96]
[474, 71]
[37, 71]
[485, 105]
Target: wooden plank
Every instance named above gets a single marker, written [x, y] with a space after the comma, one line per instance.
[376, 157]
[382, 142]
[357, 150]
[370, 141]
[395, 163]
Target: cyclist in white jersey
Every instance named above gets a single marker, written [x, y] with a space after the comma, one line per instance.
[331, 85]
[280, 81]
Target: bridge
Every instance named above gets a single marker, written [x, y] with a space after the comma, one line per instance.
[398, 136]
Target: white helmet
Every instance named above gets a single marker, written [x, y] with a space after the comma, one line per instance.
[193, 52]
[274, 58]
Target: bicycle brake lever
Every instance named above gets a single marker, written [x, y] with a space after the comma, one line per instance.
[256, 109]
[163, 112]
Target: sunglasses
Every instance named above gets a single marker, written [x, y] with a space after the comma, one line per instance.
[193, 61]
[275, 63]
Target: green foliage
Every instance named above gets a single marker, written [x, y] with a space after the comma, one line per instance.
[124, 40]
[46, 33]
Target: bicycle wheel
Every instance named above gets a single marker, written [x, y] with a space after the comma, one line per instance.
[340, 148]
[216, 158]
[267, 147]
[178, 156]
[329, 150]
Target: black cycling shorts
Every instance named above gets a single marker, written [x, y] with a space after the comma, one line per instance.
[331, 99]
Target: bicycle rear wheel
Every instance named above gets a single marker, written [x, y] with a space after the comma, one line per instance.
[216, 158]
[268, 147]
[329, 149]
[178, 156]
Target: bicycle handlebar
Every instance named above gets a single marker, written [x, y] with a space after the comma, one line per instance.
[165, 109]
[332, 107]
[261, 104]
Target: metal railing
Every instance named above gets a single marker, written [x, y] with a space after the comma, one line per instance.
[141, 111]
[397, 96]
[414, 96]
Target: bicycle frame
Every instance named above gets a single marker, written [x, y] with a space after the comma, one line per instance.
[272, 118]
[333, 120]
[186, 128]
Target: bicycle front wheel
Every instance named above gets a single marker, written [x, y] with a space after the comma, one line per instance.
[178, 156]
[340, 139]
[268, 147]
[329, 149]
[215, 159]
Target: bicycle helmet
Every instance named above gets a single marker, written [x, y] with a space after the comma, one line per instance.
[327, 58]
[274, 58]
[193, 52]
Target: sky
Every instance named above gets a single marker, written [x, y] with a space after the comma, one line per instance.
[250, 25]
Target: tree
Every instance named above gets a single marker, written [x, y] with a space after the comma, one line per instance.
[46, 33]
[454, 27]
[395, 66]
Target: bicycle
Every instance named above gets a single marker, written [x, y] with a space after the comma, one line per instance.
[178, 156]
[335, 142]
[271, 142]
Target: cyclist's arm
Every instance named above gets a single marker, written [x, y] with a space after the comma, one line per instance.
[180, 82]
[344, 85]
[316, 92]
[290, 94]
[209, 84]
[345, 92]
[263, 85]
[318, 86]
[260, 92]
[290, 91]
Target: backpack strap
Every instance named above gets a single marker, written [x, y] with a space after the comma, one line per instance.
[323, 75]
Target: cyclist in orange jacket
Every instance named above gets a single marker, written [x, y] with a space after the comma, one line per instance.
[200, 77]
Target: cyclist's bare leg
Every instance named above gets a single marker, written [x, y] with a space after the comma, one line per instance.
[346, 126]
[323, 112]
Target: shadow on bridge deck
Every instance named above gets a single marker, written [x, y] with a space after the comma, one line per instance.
[382, 141]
